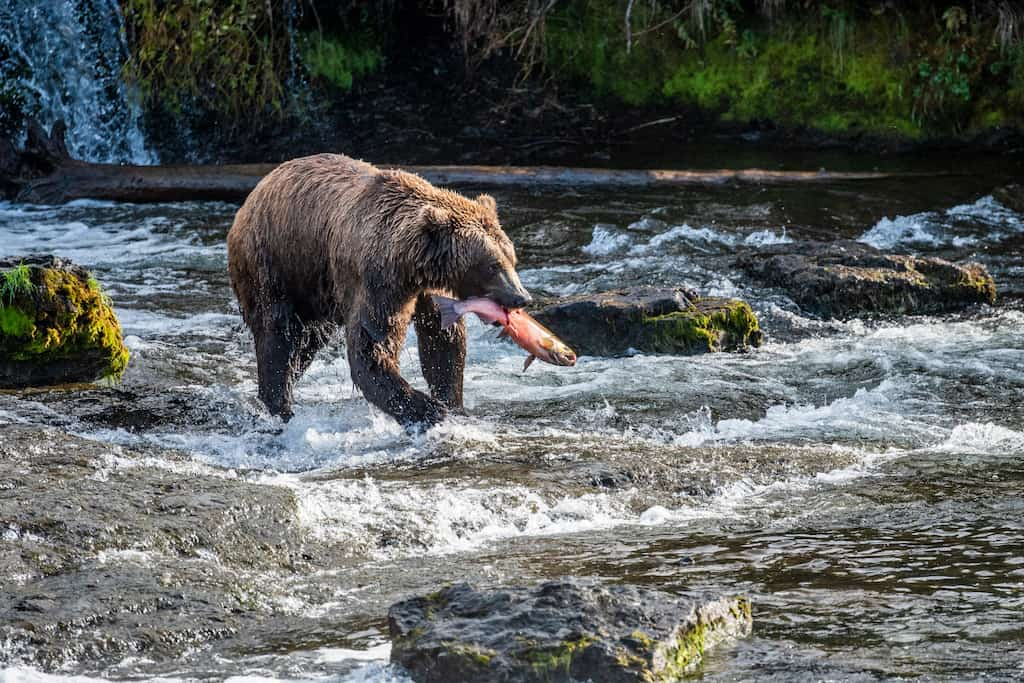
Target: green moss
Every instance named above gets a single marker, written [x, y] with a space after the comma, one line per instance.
[643, 640]
[61, 315]
[474, 655]
[979, 283]
[16, 323]
[687, 651]
[340, 60]
[729, 325]
[556, 658]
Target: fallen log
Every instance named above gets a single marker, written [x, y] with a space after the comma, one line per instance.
[44, 173]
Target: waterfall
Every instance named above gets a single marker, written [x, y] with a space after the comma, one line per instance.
[67, 57]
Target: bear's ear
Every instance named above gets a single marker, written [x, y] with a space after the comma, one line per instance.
[487, 201]
[435, 217]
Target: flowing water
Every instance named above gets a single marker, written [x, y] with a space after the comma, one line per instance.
[66, 58]
[862, 481]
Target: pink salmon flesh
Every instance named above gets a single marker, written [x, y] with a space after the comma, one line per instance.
[518, 326]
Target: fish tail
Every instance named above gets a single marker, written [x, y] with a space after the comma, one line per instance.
[450, 313]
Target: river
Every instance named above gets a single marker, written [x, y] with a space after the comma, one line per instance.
[860, 480]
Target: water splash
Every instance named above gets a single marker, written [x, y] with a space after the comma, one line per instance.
[70, 54]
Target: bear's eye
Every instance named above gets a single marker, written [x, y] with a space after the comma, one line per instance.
[494, 268]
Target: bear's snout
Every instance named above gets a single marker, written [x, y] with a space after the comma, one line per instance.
[508, 291]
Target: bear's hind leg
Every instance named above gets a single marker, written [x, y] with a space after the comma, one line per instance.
[274, 352]
[442, 353]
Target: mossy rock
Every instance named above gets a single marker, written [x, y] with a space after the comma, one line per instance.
[846, 279]
[560, 631]
[56, 325]
[652, 320]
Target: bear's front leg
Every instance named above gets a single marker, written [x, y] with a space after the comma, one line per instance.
[374, 366]
[442, 353]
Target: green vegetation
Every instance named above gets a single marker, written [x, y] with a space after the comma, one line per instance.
[907, 70]
[16, 282]
[840, 67]
[340, 60]
[228, 57]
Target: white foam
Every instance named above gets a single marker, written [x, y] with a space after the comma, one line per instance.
[143, 323]
[985, 220]
[680, 233]
[984, 438]
[702, 237]
[917, 229]
[766, 238]
[606, 241]
[443, 518]
[330, 655]
[140, 557]
[868, 413]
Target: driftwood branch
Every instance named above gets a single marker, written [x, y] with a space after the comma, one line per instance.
[44, 173]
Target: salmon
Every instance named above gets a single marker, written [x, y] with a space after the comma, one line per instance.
[517, 325]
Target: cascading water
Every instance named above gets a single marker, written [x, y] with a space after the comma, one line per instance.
[68, 56]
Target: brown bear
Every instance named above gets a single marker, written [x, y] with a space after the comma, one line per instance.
[327, 241]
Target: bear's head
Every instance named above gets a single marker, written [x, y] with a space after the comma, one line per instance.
[466, 247]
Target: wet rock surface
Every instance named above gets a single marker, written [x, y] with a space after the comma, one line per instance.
[1011, 196]
[846, 279]
[83, 524]
[56, 325]
[559, 631]
[651, 319]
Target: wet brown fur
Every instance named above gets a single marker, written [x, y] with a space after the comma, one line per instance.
[326, 240]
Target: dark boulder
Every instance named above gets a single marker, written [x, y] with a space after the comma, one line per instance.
[1010, 196]
[651, 319]
[56, 325]
[847, 279]
[559, 631]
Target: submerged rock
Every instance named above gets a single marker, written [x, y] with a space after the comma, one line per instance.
[559, 631]
[651, 319]
[56, 325]
[846, 279]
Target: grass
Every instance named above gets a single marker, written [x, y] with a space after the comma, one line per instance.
[16, 282]
[340, 61]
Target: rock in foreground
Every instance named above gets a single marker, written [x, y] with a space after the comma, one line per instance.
[849, 279]
[559, 631]
[651, 319]
[56, 325]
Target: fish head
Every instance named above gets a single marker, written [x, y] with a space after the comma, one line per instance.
[557, 352]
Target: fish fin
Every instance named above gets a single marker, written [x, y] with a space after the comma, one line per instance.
[504, 333]
[529, 359]
[449, 314]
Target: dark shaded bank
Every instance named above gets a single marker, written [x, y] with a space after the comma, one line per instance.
[425, 109]
[570, 81]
